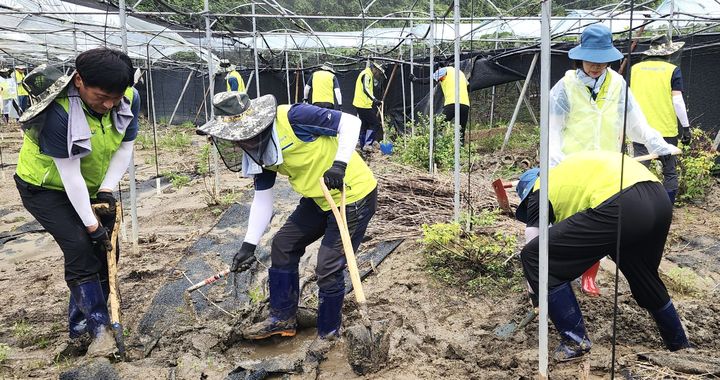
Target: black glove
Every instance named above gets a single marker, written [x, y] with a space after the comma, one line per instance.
[243, 258]
[686, 136]
[335, 175]
[377, 103]
[412, 77]
[106, 197]
[101, 240]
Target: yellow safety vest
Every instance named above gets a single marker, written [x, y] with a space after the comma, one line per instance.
[651, 84]
[39, 169]
[448, 87]
[21, 91]
[323, 87]
[236, 75]
[361, 100]
[585, 180]
[304, 163]
[593, 124]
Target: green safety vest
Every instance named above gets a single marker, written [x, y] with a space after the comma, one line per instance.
[361, 100]
[651, 84]
[236, 75]
[323, 86]
[585, 180]
[304, 163]
[448, 87]
[21, 91]
[39, 169]
[593, 124]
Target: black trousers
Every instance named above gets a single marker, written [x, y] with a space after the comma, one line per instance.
[449, 112]
[370, 122]
[669, 163]
[309, 223]
[578, 242]
[53, 210]
[325, 105]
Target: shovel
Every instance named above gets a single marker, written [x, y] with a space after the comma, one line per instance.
[112, 281]
[507, 330]
[366, 350]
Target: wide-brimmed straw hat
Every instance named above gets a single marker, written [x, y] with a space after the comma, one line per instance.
[661, 46]
[45, 82]
[241, 125]
[596, 46]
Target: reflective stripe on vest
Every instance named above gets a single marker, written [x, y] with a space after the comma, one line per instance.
[304, 163]
[593, 124]
[585, 180]
[21, 91]
[236, 75]
[323, 86]
[651, 84]
[448, 87]
[361, 100]
[39, 169]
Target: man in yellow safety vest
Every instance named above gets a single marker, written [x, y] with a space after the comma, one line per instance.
[446, 77]
[233, 79]
[323, 89]
[22, 94]
[366, 104]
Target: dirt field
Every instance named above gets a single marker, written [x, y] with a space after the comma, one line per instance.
[435, 331]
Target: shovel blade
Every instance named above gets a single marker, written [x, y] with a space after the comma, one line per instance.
[367, 348]
[501, 195]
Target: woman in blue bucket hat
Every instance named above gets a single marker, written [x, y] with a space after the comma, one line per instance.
[588, 111]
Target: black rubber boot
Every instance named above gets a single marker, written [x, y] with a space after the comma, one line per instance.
[89, 299]
[671, 330]
[565, 314]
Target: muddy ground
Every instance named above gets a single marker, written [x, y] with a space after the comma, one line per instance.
[435, 331]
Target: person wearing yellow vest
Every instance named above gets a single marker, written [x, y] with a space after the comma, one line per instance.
[8, 93]
[323, 89]
[658, 85]
[366, 104]
[446, 77]
[22, 94]
[304, 143]
[233, 79]
[77, 145]
[587, 111]
[588, 211]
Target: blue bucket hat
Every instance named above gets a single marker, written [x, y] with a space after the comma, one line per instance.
[596, 46]
[524, 187]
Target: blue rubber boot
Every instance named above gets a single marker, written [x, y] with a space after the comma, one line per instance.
[671, 330]
[565, 314]
[671, 194]
[329, 315]
[89, 299]
[284, 294]
[77, 325]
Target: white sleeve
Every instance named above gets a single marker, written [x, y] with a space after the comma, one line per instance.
[348, 133]
[638, 130]
[558, 113]
[338, 96]
[260, 214]
[118, 165]
[307, 92]
[680, 111]
[531, 233]
[76, 189]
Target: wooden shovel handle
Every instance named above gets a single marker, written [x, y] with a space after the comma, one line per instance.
[112, 265]
[346, 241]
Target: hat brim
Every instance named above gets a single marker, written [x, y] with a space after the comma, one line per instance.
[47, 97]
[595, 55]
[327, 68]
[258, 117]
[664, 49]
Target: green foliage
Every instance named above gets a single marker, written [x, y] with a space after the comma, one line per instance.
[176, 179]
[524, 137]
[256, 295]
[695, 166]
[416, 151]
[21, 329]
[473, 260]
[4, 352]
[682, 280]
[175, 140]
[486, 218]
[203, 162]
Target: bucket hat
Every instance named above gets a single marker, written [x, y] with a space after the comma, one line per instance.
[524, 187]
[241, 125]
[327, 66]
[660, 46]
[596, 46]
[45, 82]
[378, 67]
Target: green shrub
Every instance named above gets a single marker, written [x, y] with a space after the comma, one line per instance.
[176, 179]
[695, 167]
[473, 260]
[416, 148]
[4, 352]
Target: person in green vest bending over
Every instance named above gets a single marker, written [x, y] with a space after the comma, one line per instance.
[446, 77]
[658, 86]
[366, 104]
[304, 143]
[588, 110]
[78, 143]
[589, 213]
[323, 89]
[233, 79]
